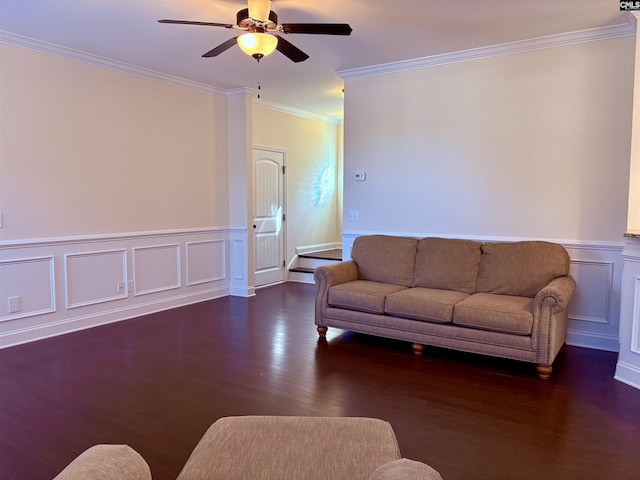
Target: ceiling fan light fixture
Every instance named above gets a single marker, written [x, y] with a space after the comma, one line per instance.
[257, 44]
[259, 9]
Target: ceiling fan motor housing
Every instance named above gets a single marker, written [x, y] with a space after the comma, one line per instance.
[243, 20]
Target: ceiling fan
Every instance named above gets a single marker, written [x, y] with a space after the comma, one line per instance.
[260, 22]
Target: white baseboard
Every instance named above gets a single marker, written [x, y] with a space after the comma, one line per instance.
[315, 248]
[594, 341]
[242, 291]
[83, 322]
[628, 374]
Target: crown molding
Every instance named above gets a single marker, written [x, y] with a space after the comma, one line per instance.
[95, 60]
[550, 41]
[279, 107]
[98, 61]
[296, 111]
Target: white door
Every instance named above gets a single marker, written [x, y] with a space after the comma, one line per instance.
[268, 215]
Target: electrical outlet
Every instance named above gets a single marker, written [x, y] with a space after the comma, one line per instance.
[120, 287]
[353, 215]
[15, 304]
[130, 286]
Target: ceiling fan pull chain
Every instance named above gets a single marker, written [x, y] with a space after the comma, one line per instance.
[259, 87]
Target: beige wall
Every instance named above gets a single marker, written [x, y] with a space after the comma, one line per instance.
[312, 155]
[533, 144]
[85, 150]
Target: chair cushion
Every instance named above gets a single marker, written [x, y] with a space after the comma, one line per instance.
[295, 448]
[447, 264]
[498, 313]
[426, 304]
[520, 268]
[362, 295]
[385, 259]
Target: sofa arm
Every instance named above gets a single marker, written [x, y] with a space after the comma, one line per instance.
[326, 277]
[405, 469]
[550, 321]
[107, 462]
[556, 295]
[336, 273]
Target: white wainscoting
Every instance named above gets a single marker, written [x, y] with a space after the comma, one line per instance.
[32, 282]
[54, 286]
[628, 366]
[635, 317]
[594, 311]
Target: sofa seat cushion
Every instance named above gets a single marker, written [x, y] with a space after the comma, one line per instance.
[362, 295]
[428, 304]
[447, 264]
[498, 313]
[385, 259]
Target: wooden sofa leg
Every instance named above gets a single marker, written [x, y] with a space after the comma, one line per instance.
[322, 330]
[544, 371]
[418, 348]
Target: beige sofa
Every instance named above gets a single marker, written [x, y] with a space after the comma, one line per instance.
[270, 447]
[506, 299]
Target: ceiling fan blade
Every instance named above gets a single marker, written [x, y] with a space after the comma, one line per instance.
[188, 22]
[221, 48]
[290, 50]
[316, 28]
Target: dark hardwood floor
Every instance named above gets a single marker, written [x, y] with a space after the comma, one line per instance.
[157, 382]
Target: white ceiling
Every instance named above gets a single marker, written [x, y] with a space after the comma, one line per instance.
[127, 31]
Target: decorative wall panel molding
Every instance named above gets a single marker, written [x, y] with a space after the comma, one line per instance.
[592, 300]
[241, 281]
[27, 287]
[237, 259]
[156, 268]
[205, 261]
[635, 319]
[83, 287]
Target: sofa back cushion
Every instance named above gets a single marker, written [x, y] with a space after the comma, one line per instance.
[447, 264]
[520, 268]
[383, 258]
